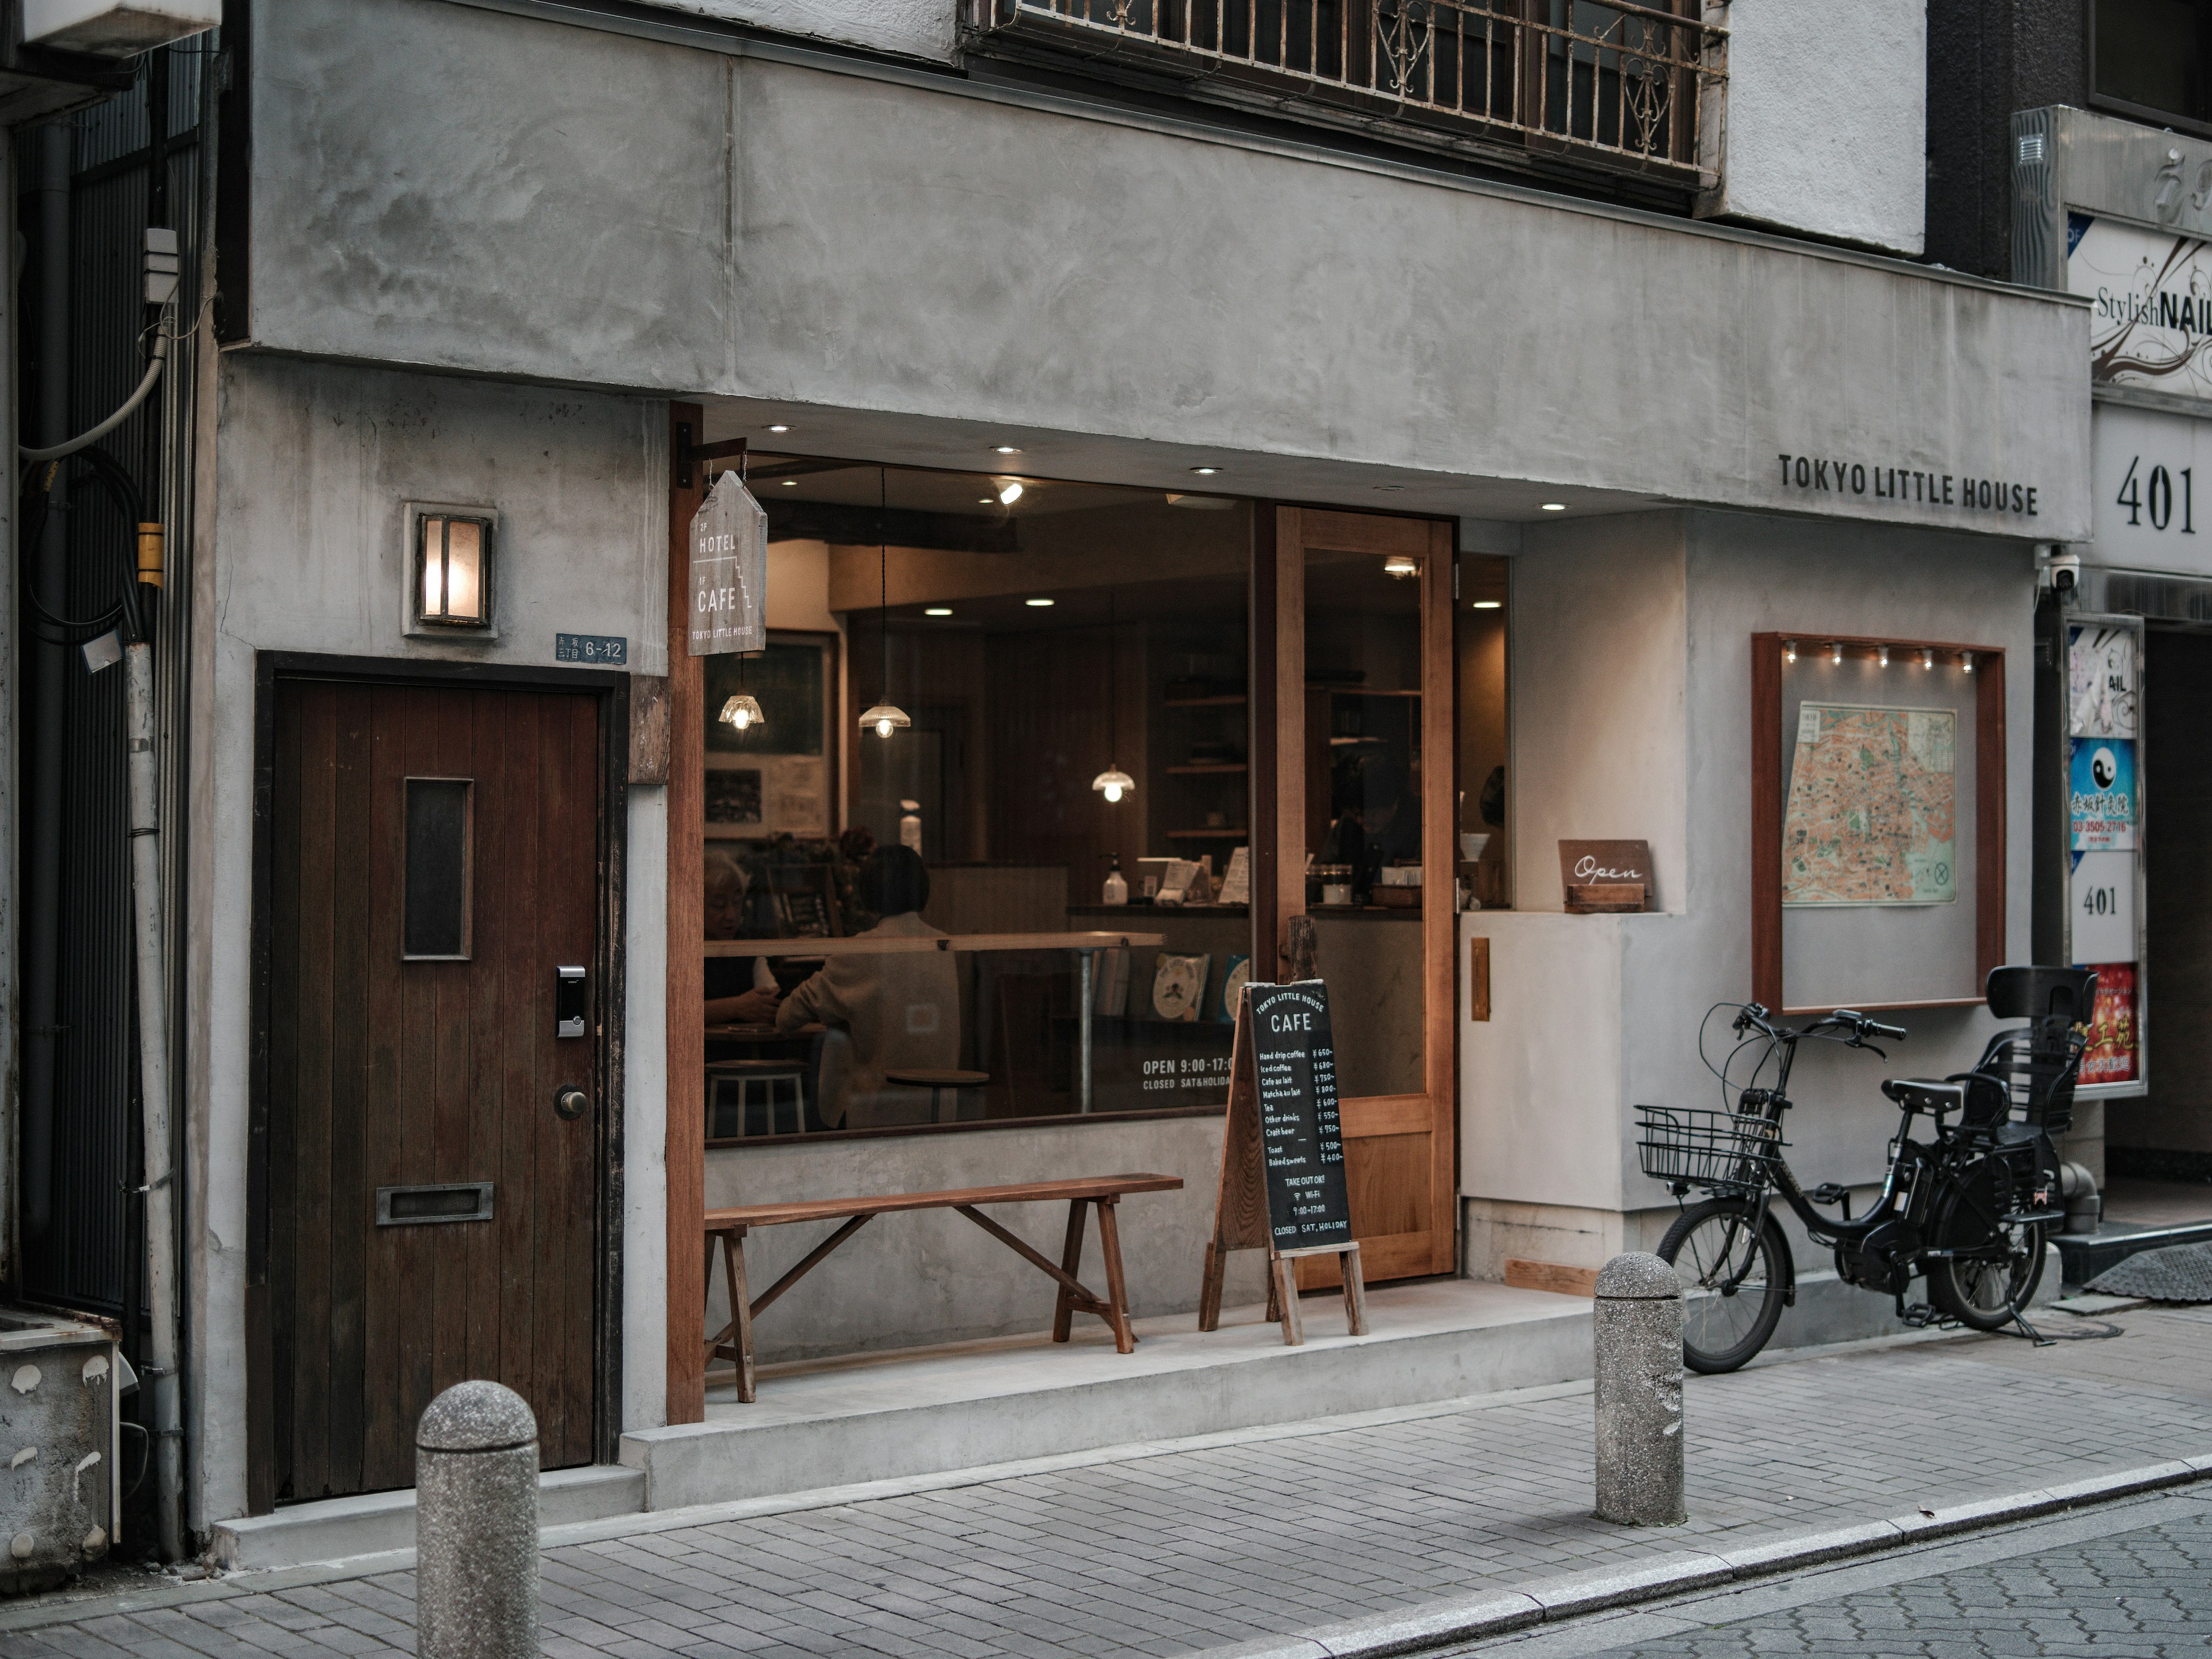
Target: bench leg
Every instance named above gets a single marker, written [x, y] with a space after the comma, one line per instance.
[1286, 1276]
[741, 1309]
[740, 1327]
[1071, 1258]
[1117, 1295]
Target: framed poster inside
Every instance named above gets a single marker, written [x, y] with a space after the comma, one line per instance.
[778, 776]
[2103, 757]
[1877, 822]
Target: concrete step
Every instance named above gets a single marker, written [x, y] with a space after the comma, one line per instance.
[920, 1411]
[2088, 1254]
[341, 1528]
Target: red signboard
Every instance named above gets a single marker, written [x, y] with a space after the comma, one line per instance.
[2110, 1056]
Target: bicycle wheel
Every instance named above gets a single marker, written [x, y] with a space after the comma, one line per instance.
[1733, 1281]
[1986, 1290]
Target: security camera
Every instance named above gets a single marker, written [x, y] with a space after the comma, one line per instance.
[2064, 571]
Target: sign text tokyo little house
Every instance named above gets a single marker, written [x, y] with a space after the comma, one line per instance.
[1839, 475]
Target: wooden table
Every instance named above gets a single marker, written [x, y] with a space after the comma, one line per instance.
[1103, 1192]
[1086, 946]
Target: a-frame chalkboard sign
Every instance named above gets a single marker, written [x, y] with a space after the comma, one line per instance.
[1282, 1158]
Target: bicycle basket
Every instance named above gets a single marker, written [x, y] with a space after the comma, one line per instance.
[1721, 1151]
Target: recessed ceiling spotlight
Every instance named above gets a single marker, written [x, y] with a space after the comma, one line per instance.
[987, 500]
[1205, 472]
[1038, 604]
[1486, 604]
[1005, 449]
[791, 483]
[779, 428]
[1555, 506]
[937, 611]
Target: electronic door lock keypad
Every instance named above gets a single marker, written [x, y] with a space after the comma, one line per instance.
[569, 1002]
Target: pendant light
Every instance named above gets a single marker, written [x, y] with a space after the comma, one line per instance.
[886, 716]
[1113, 782]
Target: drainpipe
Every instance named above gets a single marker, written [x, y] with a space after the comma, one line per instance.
[167, 1435]
[42, 861]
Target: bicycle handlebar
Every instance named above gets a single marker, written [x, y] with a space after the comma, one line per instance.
[1755, 1015]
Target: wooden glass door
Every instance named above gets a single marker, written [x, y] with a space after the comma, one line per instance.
[1355, 799]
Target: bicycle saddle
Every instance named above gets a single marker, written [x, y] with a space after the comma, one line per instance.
[1922, 1094]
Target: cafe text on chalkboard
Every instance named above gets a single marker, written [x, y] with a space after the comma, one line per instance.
[1282, 1158]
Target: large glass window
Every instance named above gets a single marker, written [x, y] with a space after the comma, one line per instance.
[2155, 56]
[1035, 640]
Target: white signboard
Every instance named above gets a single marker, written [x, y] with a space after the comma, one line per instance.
[2143, 488]
[2104, 919]
[729, 571]
[2150, 311]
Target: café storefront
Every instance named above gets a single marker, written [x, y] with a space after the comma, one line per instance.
[1248, 473]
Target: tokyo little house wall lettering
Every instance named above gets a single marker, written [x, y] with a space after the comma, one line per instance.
[1849, 475]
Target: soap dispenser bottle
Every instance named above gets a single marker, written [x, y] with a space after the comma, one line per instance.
[1117, 886]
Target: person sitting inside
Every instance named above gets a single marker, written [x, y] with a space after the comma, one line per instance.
[740, 990]
[886, 1011]
[1379, 826]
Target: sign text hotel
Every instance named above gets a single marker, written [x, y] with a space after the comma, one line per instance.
[1845, 476]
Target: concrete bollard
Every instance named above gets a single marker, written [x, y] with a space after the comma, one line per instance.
[1638, 1332]
[476, 1525]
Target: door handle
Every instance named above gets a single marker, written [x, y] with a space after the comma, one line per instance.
[570, 1102]
[569, 1002]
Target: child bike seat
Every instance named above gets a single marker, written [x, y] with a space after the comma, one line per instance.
[1921, 1094]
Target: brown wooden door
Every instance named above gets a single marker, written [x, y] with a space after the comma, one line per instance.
[1356, 609]
[434, 860]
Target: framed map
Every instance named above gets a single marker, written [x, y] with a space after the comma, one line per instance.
[1872, 817]
[1878, 818]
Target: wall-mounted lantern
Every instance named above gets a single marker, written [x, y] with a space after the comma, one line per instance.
[452, 570]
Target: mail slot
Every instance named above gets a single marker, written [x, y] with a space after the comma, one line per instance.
[569, 1002]
[421, 1206]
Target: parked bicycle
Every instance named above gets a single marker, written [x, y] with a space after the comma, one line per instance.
[1967, 1208]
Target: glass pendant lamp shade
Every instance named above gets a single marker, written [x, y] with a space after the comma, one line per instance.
[743, 712]
[1114, 783]
[886, 718]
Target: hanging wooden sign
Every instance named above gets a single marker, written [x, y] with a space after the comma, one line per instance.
[729, 571]
[1282, 1156]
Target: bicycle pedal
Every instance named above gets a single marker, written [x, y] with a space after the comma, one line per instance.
[1920, 1316]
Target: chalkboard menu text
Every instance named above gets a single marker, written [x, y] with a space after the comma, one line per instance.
[1295, 1059]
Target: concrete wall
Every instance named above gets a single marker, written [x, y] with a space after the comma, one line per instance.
[866, 240]
[314, 461]
[1591, 1015]
[935, 1276]
[915, 28]
[1826, 124]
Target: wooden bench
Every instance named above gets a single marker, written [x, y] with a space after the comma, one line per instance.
[735, 1340]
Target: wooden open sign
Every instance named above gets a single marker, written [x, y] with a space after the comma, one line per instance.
[1610, 864]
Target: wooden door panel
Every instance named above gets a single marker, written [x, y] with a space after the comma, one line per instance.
[388, 1071]
[1400, 1150]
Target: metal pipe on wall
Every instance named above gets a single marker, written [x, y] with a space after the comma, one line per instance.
[42, 851]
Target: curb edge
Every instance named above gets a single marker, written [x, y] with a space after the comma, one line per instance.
[1502, 1610]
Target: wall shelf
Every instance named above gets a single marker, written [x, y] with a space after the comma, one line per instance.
[1236, 834]
[1208, 769]
[1232, 701]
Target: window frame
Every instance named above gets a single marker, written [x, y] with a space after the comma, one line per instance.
[2148, 115]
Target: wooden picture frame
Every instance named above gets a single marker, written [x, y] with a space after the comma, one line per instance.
[1985, 882]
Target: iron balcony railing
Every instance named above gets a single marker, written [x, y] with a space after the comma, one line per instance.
[1628, 84]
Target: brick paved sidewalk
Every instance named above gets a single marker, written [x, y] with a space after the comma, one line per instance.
[1187, 1549]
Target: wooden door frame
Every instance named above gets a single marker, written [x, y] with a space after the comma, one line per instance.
[611, 691]
[1278, 676]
